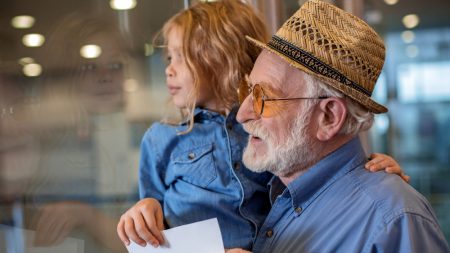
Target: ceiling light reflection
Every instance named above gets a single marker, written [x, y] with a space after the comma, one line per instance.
[408, 36]
[391, 2]
[122, 4]
[90, 51]
[32, 69]
[410, 21]
[25, 60]
[33, 40]
[22, 21]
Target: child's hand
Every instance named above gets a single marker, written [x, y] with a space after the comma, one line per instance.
[142, 223]
[382, 161]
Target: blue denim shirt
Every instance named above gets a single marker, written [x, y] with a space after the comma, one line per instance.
[200, 175]
[338, 206]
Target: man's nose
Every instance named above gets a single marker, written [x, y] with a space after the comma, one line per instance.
[246, 111]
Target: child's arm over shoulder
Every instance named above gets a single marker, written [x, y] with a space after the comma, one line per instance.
[384, 162]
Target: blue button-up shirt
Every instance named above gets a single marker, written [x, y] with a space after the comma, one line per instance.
[338, 206]
[200, 175]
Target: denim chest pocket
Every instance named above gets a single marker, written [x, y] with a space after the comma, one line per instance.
[195, 166]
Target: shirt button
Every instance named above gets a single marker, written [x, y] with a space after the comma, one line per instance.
[298, 210]
[269, 233]
[230, 127]
[191, 156]
[236, 166]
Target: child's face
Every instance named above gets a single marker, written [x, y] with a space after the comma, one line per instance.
[179, 79]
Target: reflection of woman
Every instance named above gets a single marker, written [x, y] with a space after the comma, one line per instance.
[101, 86]
[92, 86]
[85, 137]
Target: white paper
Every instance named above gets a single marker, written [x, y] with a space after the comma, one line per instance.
[200, 237]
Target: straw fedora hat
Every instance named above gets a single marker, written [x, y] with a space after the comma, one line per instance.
[333, 45]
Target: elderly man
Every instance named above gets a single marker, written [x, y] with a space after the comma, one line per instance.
[311, 89]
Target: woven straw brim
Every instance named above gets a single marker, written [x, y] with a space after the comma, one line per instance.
[357, 96]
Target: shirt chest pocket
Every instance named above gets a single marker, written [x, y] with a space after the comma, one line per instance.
[195, 166]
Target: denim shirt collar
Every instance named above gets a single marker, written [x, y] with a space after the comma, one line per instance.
[201, 114]
[304, 189]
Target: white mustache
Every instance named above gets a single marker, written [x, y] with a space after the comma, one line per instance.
[252, 128]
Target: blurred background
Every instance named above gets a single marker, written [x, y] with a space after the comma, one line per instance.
[80, 82]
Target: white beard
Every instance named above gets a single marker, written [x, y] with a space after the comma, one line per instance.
[281, 159]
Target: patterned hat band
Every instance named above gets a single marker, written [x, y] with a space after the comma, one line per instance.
[304, 58]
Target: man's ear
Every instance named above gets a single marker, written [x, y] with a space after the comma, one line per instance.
[332, 113]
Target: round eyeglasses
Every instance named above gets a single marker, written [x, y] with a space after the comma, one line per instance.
[260, 100]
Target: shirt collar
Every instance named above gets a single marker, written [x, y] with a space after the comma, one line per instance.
[313, 182]
[201, 114]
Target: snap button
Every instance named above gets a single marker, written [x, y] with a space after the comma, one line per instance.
[269, 233]
[298, 210]
[191, 156]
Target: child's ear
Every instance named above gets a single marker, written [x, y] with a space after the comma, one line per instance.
[332, 114]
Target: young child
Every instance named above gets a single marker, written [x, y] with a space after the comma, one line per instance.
[193, 171]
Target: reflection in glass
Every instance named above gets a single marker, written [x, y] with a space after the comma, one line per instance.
[69, 137]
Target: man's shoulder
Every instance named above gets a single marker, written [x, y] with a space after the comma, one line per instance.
[390, 195]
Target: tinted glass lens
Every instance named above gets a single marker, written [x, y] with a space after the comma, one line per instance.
[257, 99]
[243, 91]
